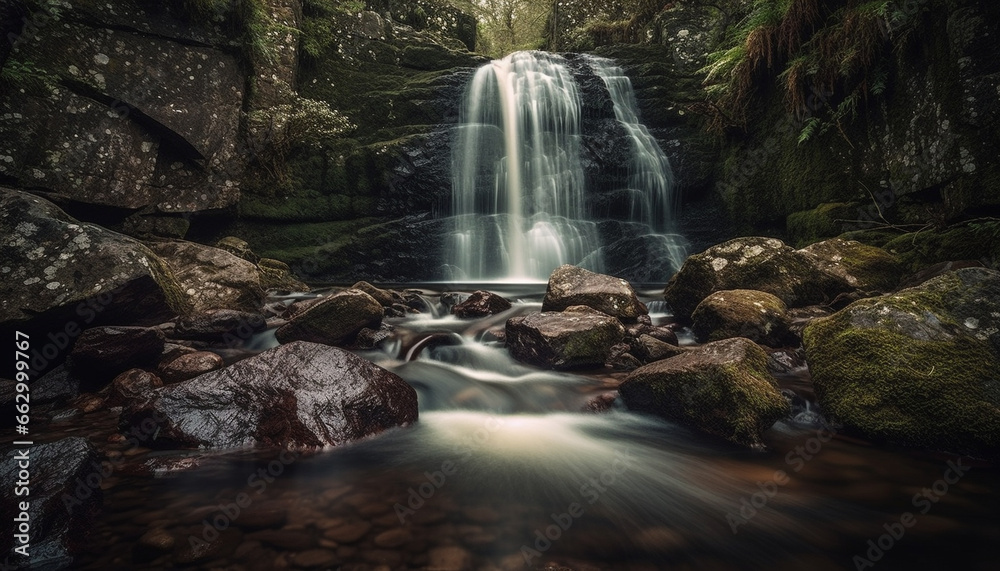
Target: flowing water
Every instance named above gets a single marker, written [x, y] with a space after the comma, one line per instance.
[519, 190]
[505, 470]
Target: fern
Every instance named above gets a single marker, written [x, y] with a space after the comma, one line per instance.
[812, 126]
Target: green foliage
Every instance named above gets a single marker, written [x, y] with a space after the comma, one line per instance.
[828, 58]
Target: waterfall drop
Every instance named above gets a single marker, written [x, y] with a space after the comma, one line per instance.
[519, 196]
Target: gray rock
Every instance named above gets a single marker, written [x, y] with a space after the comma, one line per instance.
[570, 285]
[334, 320]
[755, 315]
[563, 340]
[212, 278]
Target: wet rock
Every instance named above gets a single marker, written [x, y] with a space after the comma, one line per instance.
[189, 366]
[755, 315]
[570, 285]
[861, 267]
[600, 403]
[722, 388]
[918, 367]
[481, 304]
[620, 359]
[68, 275]
[665, 334]
[212, 278]
[372, 338]
[650, 349]
[102, 353]
[392, 538]
[450, 299]
[563, 340]
[784, 361]
[284, 538]
[300, 394]
[383, 296]
[220, 546]
[156, 541]
[761, 264]
[226, 325]
[57, 386]
[62, 510]
[336, 320]
[88, 403]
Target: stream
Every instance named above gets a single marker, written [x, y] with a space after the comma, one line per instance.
[508, 469]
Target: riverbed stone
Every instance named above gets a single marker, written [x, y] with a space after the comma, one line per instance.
[563, 340]
[755, 315]
[229, 326]
[296, 395]
[570, 285]
[335, 320]
[722, 388]
[918, 367]
[481, 304]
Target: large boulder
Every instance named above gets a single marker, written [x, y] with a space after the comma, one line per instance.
[481, 304]
[212, 278]
[762, 264]
[917, 368]
[860, 266]
[722, 388]
[300, 395]
[335, 320]
[755, 315]
[570, 285]
[65, 497]
[563, 340]
[77, 274]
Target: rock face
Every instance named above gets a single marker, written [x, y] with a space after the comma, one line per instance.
[141, 109]
[563, 340]
[723, 389]
[570, 285]
[755, 315]
[65, 497]
[481, 304]
[916, 368]
[335, 320]
[301, 395]
[52, 264]
[212, 278]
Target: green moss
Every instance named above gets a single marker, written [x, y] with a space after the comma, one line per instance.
[755, 315]
[825, 221]
[733, 398]
[966, 242]
[889, 387]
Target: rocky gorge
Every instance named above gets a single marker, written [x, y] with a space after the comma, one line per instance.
[224, 226]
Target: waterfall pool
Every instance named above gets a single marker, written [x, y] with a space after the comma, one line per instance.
[506, 469]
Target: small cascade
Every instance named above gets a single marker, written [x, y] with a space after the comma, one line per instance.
[651, 180]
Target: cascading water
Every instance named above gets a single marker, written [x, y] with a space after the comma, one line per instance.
[518, 191]
[519, 197]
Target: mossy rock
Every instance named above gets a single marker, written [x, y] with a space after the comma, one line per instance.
[762, 264]
[972, 241]
[569, 285]
[334, 321]
[723, 389]
[755, 315]
[825, 221]
[566, 340]
[860, 266]
[917, 368]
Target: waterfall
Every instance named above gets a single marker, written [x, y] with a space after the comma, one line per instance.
[519, 198]
[650, 177]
